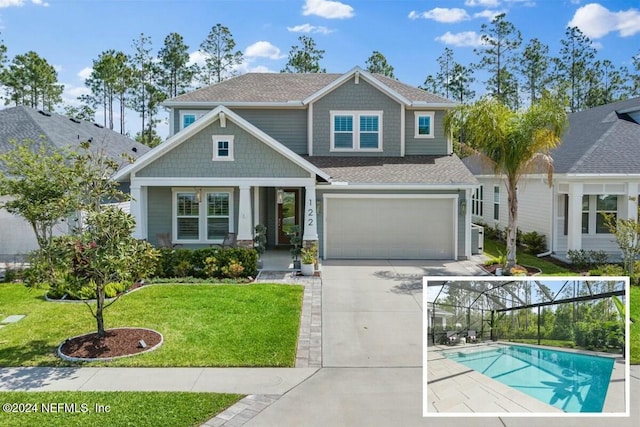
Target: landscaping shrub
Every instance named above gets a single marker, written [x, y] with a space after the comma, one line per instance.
[607, 270]
[583, 260]
[533, 242]
[208, 262]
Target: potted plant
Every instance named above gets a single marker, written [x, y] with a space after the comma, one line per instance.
[309, 257]
[260, 241]
[296, 245]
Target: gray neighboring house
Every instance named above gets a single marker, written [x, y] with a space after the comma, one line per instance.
[596, 170]
[360, 161]
[23, 123]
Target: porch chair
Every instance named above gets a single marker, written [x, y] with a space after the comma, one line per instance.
[452, 337]
[230, 241]
[164, 241]
[472, 336]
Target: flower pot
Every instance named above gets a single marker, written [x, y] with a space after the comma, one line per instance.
[307, 269]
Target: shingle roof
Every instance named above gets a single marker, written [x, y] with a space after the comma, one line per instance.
[23, 123]
[288, 87]
[432, 170]
[601, 140]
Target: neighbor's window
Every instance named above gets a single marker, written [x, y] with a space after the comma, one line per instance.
[477, 201]
[585, 214]
[605, 205]
[424, 124]
[496, 202]
[223, 147]
[217, 215]
[188, 216]
[356, 131]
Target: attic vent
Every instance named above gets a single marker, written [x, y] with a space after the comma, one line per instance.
[74, 120]
[44, 113]
[98, 126]
[134, 149]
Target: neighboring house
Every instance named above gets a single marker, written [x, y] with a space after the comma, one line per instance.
[22, 123]
[360, 161]
[596, 170]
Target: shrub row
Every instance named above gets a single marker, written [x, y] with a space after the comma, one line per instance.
[582, 259]
[595, 336]
[208, 263]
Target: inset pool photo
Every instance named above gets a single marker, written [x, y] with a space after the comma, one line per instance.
[523, 346]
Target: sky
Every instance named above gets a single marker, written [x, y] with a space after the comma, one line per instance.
[411, 34]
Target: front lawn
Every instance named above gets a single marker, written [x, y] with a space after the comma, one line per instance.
[494, 248]
[203, 325]
[140, 409]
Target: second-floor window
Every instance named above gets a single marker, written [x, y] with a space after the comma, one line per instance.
[356, 131]
[424, 124]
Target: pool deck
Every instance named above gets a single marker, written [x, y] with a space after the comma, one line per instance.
[453, 388]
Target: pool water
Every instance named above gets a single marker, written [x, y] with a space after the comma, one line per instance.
[569, 381]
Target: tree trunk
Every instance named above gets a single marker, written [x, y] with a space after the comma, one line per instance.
[99, 310]
[513, 223]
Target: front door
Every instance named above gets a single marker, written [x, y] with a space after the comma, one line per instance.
[288, 214]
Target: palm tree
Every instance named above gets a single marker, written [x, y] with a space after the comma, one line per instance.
[512, 142]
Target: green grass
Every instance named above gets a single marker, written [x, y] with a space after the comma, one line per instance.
[493, 248]
[140, 409]
[202, 325]
[634, 312]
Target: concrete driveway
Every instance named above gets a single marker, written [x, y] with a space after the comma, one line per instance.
[372, 354]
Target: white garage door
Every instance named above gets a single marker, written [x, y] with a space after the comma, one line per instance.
[390, 228]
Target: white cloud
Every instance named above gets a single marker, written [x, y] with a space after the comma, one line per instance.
[12, 3]
[196, 57]
[263, 49]
[485, 3]
[488, 14]
[441, 14]
[85, 73]
[596, 21]
[308, 28]
[71, 93]
[327, 9]
[464, 39]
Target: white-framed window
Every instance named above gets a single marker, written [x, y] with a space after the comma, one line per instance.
[593, 208]
[477, 201]
[223, 147]
[187, 118]
[356, 130]
[424, 122]
[203, 215]
[496, 202]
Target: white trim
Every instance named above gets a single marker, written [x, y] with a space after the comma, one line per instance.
[202, 213]
[362, 74]
[432, 119]
[310, 130]
[221, 182]
[403, 131]
[335, 186]
[356, 114]
[256, 207]
[214, 104]
[454, 197]
[216, 150]
[198, 126]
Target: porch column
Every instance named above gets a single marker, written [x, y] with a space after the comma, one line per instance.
[309, 219]
[138, 209]
[574, 217]
[245, 232]
[631, 201]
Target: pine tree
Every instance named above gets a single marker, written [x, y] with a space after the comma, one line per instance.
[221, 58]
[304, 58]
[377, 64]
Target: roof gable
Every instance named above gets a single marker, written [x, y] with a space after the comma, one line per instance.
[219, 113]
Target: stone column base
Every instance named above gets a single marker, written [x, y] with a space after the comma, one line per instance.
[244, 243]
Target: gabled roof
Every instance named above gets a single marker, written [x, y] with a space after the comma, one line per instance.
[219, 113]
[604, 140]
[22, 123]
[408, 170]
[601, 140]
[296, 89]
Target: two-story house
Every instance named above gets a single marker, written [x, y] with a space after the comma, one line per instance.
[360, 161]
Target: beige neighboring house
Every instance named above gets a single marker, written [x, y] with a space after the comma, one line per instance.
[597, 170]
[22, 123]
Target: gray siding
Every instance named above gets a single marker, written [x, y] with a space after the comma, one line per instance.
[158, 212]
[288, 127]
[252, 158]
[425, 146]
[360, 97]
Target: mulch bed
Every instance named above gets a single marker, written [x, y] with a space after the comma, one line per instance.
[491, 269]
[117, 342]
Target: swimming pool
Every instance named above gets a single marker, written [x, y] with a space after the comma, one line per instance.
[569, 381]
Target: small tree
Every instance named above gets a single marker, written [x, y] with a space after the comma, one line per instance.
[627, 233]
